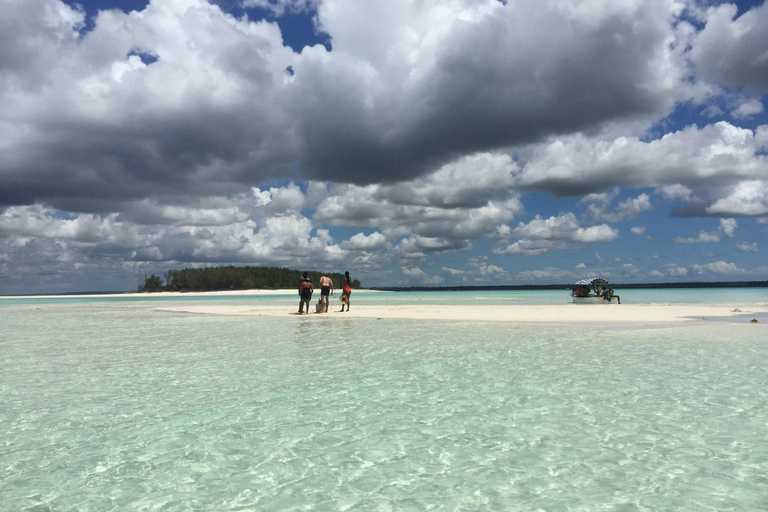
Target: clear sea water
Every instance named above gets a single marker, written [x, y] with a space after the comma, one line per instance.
[107, 404]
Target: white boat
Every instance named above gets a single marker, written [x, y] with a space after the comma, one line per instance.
[593, 291]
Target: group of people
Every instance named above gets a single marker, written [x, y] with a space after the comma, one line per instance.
[326, 288]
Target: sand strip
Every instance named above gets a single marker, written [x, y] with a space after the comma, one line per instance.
[566, 313]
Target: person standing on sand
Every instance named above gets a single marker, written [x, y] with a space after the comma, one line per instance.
[305, 292]
[326, 287]
[346, 290]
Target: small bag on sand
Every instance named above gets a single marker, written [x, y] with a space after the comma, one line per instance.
[319, 307]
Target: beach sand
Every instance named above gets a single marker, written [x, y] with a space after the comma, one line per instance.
[565, 313]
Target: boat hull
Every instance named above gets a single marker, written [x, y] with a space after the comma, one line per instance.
[594, 300]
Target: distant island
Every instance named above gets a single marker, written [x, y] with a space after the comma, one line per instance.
[722, 284]
[213, 279]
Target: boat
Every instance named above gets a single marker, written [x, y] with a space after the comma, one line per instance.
[593, 291]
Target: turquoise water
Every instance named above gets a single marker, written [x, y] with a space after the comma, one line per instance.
[537, 297]
[114, 406]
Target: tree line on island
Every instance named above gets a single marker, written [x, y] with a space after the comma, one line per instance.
[212, 279]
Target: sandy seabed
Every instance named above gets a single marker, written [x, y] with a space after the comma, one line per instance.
[565, 313]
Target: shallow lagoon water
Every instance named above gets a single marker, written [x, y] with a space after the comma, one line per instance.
[114, 406]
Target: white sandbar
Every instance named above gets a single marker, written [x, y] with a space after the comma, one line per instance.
[566, 313]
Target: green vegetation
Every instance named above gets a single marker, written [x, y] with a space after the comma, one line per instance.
[232, 278]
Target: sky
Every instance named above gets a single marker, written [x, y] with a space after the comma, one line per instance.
[409, 142]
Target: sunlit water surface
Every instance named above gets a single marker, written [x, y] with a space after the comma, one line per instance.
[115, 406]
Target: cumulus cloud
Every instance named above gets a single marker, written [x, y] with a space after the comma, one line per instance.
[676, 191]
[361, 242]
[718, 267]
[415, 273]
[703, 162]
[746, 198]
[675, 270]
[731, 50]
[279, 240]
[557, 232]
[183, 124]
[747, 246]
[460, 201]
[726, 229]
[217, 109]
[630, 208]
[748, 108]
[481, 266]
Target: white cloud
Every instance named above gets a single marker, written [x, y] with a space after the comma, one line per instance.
[453, 271]
[676, 191]
[727, 228]
[672, 269]
[418, 275]
[746, 198]
[601, 233]
[557, 232]
[581, 266]
[718, 267]
[694, 162]
[639, 230]
[564, 227]
[655, 273]
[628, 209]
[747, 246]
[361, 242]
[482, 268]
[747, 109]
[730, 50]
[703, 238]
[413, 272]
[528, 248]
